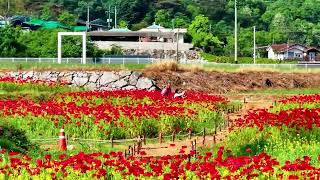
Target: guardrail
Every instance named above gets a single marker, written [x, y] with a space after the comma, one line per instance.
[146, 60]
[100, 60]
[236, 66]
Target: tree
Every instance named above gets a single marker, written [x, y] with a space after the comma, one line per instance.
[46, 13]
[43, 43]
[67, 18]
[201, 35]
[9, 45]
[123, 24]
[163, 18]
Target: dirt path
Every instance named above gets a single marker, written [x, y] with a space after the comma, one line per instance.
[174, 148]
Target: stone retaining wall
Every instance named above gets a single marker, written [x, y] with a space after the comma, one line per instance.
[127, 80]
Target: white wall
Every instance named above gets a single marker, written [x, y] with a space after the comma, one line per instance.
[144, 45]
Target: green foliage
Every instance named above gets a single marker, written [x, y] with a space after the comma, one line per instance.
[46, 13]
[14, 139]
[115, 50]
[123, 24]
[201, 37]
[278, 21]
[67, 18]
[283, 143]
[9, 45]
[43, 43]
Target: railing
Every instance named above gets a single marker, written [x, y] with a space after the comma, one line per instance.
[265, 66]
[100, 60]
[147, 60]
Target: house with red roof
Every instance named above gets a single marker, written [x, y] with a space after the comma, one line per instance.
[293, 51]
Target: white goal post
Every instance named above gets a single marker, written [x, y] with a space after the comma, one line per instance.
[84, 44]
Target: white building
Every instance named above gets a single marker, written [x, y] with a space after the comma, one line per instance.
[293, 51]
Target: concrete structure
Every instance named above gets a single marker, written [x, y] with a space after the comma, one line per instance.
[84, 44]
[292, 51]
[153, 37]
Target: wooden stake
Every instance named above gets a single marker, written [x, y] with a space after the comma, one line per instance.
[134, 149]
[189, 133]
[204, 136]
[129, 150]
[144, 140]
[111, 139]
[173, 136]
[160, 137]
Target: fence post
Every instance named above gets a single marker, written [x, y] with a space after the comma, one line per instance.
[173, 135]
[138, 60]
[39, 60]
[129, 150]
[160, 138]
[12, 59]
[26, 59]
[125, 153]
[123, 61]
[204, 136]
[134, 149]
[195, 146]
[111, 139]
[190, 133]
[67, 60]
[109, 60]
[214, 139]
[144, 140]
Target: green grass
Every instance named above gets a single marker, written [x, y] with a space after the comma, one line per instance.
[281, 143]
[13, 66]
[32, 91]
[242, 60]
[273, 91]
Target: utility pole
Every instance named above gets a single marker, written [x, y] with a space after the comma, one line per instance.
[109, 14]
[88, 18]
[254, 44]
[115, 17]
[177, 46]
[235, 33]
[7, 14]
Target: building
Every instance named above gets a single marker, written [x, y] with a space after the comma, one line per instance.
[156, 41]
[293, 52]
[2, 22]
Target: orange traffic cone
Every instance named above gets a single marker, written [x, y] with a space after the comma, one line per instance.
[62, 140]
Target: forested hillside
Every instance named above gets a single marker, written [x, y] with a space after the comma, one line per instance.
[277, 21]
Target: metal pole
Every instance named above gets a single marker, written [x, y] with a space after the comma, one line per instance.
[115, 17]
[109, 12]
[88, 18]
[59, 48]
[254, 44]
[235, 33]
[84, 49]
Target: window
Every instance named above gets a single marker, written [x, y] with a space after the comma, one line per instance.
[290, 54]
[299, 55]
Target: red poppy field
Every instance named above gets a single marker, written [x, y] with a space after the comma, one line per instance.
[281, 142]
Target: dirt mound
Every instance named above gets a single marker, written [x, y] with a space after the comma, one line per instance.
[223, 82]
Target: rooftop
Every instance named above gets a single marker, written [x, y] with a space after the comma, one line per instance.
[154, 26]
[120, 30]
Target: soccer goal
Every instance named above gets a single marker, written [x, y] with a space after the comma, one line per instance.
[84, 44]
